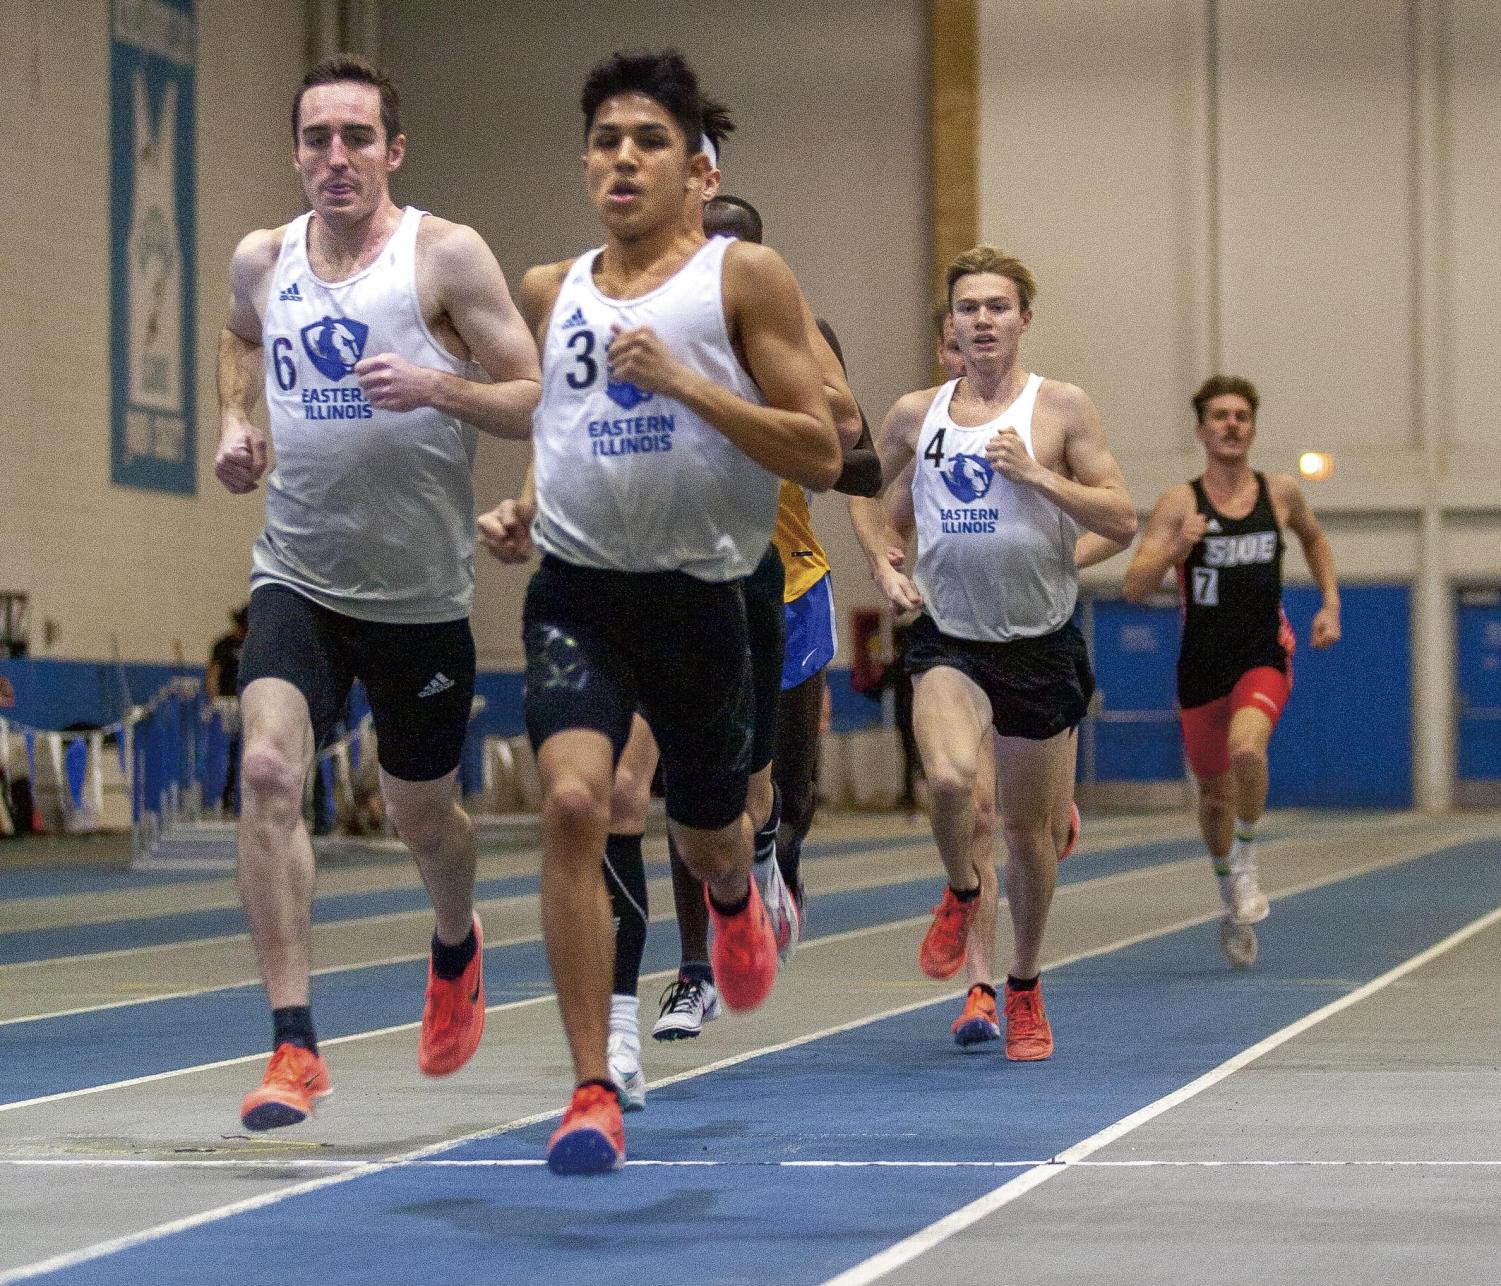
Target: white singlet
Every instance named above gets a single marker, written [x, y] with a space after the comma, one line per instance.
[634, 481]
[369, 513]
[995, 560]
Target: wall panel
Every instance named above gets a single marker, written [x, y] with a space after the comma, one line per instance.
[1315, 173]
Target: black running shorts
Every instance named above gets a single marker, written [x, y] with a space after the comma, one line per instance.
[419, 678]
[767, 622]
[601, 643]
[1038, 687]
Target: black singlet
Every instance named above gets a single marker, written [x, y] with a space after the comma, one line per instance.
[1230, 588]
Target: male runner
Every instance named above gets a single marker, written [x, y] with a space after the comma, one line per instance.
[678, 385]
[1009, 467]
[1222, 533]
[360, 319]
[691, 999]
[807, 603]
[978, 1021]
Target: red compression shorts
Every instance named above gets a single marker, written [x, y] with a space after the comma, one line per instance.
[1206, 728]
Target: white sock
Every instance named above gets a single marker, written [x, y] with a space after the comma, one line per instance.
[762, 869]
[625, 1016]
[1243, 848]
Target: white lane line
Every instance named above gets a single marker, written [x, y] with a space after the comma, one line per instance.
[910, 1248]
[103, 1249]
[195, 943]
[897, 845]
[1102, 881]
[545, 998]
[662, 917]
[512, 1163]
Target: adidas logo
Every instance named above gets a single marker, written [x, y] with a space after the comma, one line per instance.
[576, 318]
[1213, 525]
[440, 682]
[291, 293]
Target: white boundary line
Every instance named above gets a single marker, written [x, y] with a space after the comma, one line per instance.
[910, 1248]
[512, 1163]
[359, 1169]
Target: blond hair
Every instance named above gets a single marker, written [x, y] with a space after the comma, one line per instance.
[989, 259]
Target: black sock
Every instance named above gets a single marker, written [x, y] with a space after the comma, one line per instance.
[1022, 984]
[986, 988]
[625, 878]
[604, 1085]
[294, 1026]
[449, 962]
[790, 858]
[766, 837]
[965, 896]
[696, 971]
[735, 908]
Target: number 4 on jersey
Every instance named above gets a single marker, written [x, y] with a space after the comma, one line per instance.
[935, 449]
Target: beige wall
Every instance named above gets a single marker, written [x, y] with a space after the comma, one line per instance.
[97, 559]
[830, 101]
[1148, 167]
[1304, 194]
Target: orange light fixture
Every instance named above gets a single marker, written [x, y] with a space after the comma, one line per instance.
[1316, 466]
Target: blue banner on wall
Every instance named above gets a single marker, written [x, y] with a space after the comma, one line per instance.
[153, 236]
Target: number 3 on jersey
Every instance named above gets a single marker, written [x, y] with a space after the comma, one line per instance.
[935, 449]
[587, 368]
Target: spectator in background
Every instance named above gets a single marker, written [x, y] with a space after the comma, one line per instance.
[222, 679]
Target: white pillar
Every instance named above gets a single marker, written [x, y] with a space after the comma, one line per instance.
[1433, 606]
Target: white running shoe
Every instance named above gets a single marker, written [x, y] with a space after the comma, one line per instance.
[687, 1005]
[781, 908]
[1238, 942]
[623, 1052]
[1247, 904]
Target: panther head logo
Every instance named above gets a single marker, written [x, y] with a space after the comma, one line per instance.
[968, 477]
[625, 395]
[335, 345]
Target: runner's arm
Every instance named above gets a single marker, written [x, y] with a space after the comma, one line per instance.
[242, 455]
[1094, 494]
[460, 275]
[897, 447]
[1161, 547]
[1091, 549]
[836, 389]
[473, 292]
[1325, 628]
[792, 435]
[860, 474]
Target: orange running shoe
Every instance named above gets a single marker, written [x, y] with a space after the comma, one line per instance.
[591, 1138]
[453, 1015]
[978, 1022]
[1075, 825]
[946, 946]
[744, 952]
[295, 1078]
[1028, 1036]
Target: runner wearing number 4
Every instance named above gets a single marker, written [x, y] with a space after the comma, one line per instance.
[1009, 468]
